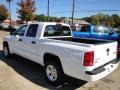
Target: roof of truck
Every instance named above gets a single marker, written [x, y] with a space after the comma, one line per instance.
[50, 23]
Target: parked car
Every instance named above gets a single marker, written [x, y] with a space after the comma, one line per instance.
[52, 46]
[98, 32]
[7, 26]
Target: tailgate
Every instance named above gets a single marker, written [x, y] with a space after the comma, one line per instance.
[104, 53]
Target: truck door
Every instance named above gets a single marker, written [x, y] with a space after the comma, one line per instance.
[31, 43]
[84, 32]
[17, 40]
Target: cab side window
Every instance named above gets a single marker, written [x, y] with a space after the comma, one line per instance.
[21, 30]
[98, 29]
[32, 30]
[85, 29]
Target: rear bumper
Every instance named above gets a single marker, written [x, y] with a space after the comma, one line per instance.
[101, 71]
[102, 68]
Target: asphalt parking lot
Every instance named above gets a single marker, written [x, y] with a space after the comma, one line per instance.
[18, 73]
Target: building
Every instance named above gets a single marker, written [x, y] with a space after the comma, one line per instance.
[76, 21]
[77, 24]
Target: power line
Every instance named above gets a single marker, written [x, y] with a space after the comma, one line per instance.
[102, 10]
[77, 11]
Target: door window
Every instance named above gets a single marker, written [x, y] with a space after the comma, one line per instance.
[21, 30]
[32, 30]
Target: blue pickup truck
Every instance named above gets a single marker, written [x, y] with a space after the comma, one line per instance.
[98, 32]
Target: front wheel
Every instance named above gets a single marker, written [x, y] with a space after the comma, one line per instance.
[54, 73]
[6, 51]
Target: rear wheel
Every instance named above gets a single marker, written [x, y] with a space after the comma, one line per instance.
[6, 51]
[54, 73]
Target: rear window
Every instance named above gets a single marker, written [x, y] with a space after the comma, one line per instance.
[85, 28]
[103, 29]
[57, 30]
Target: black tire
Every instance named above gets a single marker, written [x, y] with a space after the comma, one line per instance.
[6, 51]
[60, 74]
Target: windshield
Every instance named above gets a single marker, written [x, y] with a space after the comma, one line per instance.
[103, 29]
[57, 30]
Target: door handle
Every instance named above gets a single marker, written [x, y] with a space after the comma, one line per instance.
[20, 39]
[33, 42]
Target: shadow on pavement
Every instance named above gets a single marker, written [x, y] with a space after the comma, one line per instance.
[34, 72]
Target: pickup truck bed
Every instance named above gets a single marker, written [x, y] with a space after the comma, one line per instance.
[98, 32]
[83, 40]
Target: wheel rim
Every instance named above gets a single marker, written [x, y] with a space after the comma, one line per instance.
[51, 72]
[5, 51]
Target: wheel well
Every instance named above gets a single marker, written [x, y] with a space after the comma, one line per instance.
[52, 57]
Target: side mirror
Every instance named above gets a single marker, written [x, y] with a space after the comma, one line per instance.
[12, 33]
[20, 34]
[111, 33]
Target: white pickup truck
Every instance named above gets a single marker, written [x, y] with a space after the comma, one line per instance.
[52, 45]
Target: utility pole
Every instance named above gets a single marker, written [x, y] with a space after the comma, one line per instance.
[22, 5]
[73, 10]
[48, 10]
[21, 8]
[9, 1]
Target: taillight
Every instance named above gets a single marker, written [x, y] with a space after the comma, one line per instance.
[89, 58]
[118, 51]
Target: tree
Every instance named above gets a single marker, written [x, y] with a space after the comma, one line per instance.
[94, 20]
[3, 13]
[110, 22]
[104, 19]
[63, 18]
[40, 17]
[27, 9]
[53, 19]
[115, 18]
[43, 18]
